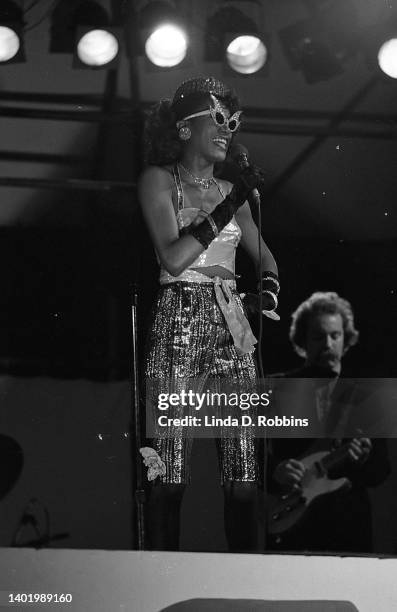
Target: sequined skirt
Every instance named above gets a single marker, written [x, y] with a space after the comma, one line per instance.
[189, 340]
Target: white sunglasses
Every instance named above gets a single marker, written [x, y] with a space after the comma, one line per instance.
[218, 116]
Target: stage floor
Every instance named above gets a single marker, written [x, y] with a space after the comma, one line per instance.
[133, 581]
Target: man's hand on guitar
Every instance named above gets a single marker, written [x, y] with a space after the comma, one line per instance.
[289, 473]
[359, 449]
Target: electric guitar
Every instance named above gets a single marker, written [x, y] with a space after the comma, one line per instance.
[287, 510]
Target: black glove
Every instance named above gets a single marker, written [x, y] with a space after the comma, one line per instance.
[249, 179]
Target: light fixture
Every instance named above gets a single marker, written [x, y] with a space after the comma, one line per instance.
[82, 27]
[320, 46]
[164, 38]
[166, 46]
[246, 54]
[234, 36]
[379, 43]
[11, 33]
[97, 47]
[387, 57]
[307, 49]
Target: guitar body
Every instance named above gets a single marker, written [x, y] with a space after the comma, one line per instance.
[286, 511]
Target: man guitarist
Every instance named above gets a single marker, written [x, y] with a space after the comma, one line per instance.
[322, 330]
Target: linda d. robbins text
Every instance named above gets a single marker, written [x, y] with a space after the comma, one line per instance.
[243, 421]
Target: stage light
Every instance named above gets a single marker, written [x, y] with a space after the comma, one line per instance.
[307, 50]
[246, 54]
[166, 46]
[387, 58]
[164, 38]
[9, 43]
[11, 28]
[82, 27]
[379, 45]
[234, 36]
[321, 45]
[97, 47]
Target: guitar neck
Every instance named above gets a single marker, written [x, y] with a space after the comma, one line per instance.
[335, 458]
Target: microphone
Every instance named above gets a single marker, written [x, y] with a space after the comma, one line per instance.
[239, 155]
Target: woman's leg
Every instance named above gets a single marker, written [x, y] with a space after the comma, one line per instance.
[238, 455]
[166, 492]
[241, 516]
[172, 359]
[163, 516]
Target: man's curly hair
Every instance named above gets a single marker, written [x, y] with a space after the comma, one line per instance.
[322, 302]
[161, 143]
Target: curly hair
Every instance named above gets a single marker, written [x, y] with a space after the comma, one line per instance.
[321, 302]
[161, 143]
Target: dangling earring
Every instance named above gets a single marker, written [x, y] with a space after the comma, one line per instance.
[184, 132]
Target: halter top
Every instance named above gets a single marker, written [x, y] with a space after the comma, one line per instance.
[221, 251]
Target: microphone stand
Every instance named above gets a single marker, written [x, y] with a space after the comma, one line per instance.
[29, 518]
[260, 365]
[43, 541]
[139, 494]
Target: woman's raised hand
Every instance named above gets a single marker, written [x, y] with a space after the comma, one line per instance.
[250, 178]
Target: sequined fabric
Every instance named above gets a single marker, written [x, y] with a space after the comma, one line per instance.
[201, 85]
[221, 251]
[189, 340]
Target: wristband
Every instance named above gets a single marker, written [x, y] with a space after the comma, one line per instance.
[273, 296]
[269, 282]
